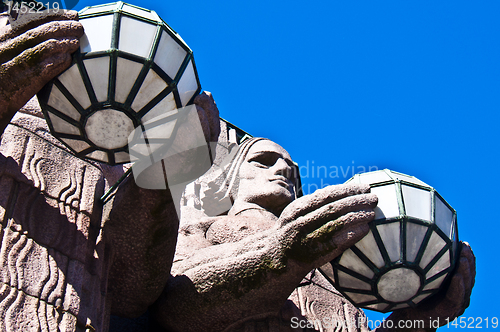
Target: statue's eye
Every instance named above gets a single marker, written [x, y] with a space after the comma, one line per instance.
[263, 160]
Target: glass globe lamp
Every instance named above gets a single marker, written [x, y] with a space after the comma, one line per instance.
[131, 69]
[409, 251]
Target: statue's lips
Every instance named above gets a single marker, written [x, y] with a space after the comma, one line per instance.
[282, 181]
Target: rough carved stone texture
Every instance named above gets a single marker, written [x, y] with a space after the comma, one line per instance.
[56, 250]
[235, 272]
[48, 289]
[66, 261]
[31, 53]
[323, 305]
[198, 272]
[142, 233]
[52, 260]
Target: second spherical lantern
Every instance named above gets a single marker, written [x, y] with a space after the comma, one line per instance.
[410, 250]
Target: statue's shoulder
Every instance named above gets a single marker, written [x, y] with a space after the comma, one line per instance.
[29, 121]
[28, 133]
[31, 155]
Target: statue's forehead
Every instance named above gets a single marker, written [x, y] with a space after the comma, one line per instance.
[268, 146]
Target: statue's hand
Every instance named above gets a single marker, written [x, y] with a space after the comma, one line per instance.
[33, 52]
[317, 228]
[209, 115]
[450, 302]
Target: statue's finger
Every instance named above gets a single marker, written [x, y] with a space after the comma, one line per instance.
[467, 253]
[321, 198]
[335, 210]
[467, 267]
[21, 79]
[335, 237]
[356, 227]
[456, 294]
[211, 114]
[38, 35]
[32, 20]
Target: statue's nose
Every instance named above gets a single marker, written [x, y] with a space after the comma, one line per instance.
[282, 168]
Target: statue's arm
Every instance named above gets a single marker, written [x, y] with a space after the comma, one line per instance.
[33, 52]
[220, 285]
[143, 223]
[142, 230]
[442, 308]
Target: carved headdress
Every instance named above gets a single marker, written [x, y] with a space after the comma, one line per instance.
[222, 190]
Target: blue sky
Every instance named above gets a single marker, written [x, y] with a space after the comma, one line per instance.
[408, 85]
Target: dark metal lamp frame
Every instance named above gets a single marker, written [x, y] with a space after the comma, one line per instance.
[450, 248]
[114, 53]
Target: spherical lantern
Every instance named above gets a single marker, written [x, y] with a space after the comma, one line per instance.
[131, 68]
[409, 251]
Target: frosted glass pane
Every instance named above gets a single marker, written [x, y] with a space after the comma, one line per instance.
[150, 88]
[351, 261]
[435, 284]
[190, 115]
[154, 147]
[61, 126]
[360, 298]
[136, 37]
[109, 129]
[398, 285]
[369, 248]
[328, 271]
[165, 107]
[98, 31]
[141, 149]
[140, 12]
[378, 306]
[374, 177]
[441, 264]
[348, 281]
[58, 101]
[97, 9]
[98, 70]
[387, 202]
[133, 158]
[73, 82]
[76, 145]
[99, 155]
[407, 178]
[169, 55]
[126, 75]
[389, 233]
[414, 236]
[417, 202]
[444, 217]
[137, 143]
[420, 298]
[436, 243]
[122, 157]
[158, 129]
[187, 84]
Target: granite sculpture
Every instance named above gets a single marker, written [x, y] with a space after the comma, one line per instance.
[253, 267]
[67, 261]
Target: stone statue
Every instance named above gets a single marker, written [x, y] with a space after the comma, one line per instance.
[68, 261]
[236, 271]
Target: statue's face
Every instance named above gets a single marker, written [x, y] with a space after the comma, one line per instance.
[266, 176]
